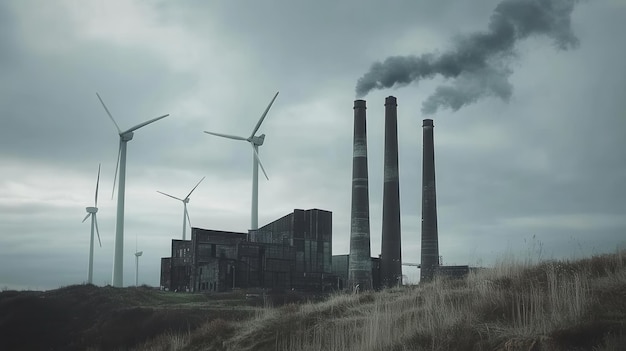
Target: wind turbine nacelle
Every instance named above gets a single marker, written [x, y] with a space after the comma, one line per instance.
[258, 140]
[127, 136]
[139, 253]
[92, 209]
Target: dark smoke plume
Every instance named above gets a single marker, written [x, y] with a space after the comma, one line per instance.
[478, 64]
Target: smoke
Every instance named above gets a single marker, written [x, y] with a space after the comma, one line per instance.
[477, 64]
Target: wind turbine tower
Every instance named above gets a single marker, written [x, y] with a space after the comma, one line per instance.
[91, 211]
[137, 255]
[185, 202]
[255, 142]
[125, 137]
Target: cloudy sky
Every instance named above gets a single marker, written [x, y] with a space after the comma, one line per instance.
[541, 174]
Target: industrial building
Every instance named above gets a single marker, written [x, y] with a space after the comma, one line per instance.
[293, 252]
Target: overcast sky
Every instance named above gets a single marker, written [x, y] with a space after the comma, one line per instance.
[540, 175]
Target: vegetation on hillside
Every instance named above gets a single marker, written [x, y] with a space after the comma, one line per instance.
[551, 305]
[105, 318]
[555, 305]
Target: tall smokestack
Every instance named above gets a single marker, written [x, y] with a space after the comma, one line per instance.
[360, 263]
[391, 255]
[430, 242]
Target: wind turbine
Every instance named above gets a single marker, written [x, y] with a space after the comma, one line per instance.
[255, 142]
[137, 255]
[125, 137]
[185, 202]
[91, 211]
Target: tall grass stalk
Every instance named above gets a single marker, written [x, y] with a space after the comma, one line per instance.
[169, 341]
[517, 298]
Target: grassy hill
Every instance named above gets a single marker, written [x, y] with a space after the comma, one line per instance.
[577, 305]
[85, 316]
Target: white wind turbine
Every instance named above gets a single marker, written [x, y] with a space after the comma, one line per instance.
[137, 255]
[125, 137]
[255, 142]
[91, 211]
[185, 202]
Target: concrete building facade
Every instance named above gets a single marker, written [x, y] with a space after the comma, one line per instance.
[293, 252]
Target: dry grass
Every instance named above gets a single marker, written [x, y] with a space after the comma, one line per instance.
[518, 305]
[169, 341]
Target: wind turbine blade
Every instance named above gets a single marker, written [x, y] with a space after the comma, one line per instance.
[227, 136]
[109, 113]
[194, 188]
[188, 220]
[144, 124]
[97, 184]
[87, 216]
[173, 197]
[95, 220]
[258, 125]
[117, 165]
[256, 155]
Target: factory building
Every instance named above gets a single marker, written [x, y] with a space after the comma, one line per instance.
[213, 259]
[293, 252]
[176, 270]
[309, 234]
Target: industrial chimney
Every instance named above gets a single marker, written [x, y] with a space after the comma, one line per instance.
[430, 242]
[360, 262]
[391, 255]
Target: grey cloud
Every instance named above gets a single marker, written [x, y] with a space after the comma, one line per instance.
[554, 151]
